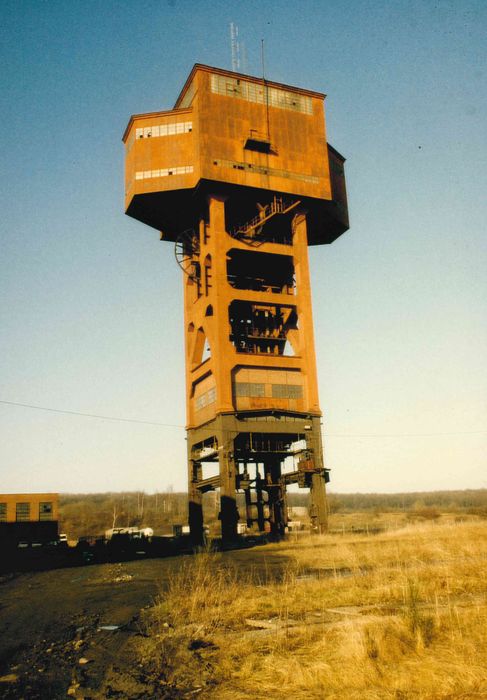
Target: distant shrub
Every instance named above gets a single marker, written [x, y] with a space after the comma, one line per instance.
[425, 513]
[481, 511]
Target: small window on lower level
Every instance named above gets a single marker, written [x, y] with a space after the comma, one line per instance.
[45, 511]
[22, 512]
[3, 512]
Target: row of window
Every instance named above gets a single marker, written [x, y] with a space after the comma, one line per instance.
[278, 391]
[254, 390]
[164, 130]
[163, 172]
[23, 511]
[261, 94]
[264, 170]
[205, 399]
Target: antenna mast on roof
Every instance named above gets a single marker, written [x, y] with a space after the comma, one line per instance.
[235, 47]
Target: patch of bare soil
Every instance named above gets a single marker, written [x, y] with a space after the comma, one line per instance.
[75, 632]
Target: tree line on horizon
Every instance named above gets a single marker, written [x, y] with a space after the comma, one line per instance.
[91, 514]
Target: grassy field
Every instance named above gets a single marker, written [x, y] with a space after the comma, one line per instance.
[398, 614]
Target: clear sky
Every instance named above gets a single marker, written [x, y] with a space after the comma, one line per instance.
[91, 301]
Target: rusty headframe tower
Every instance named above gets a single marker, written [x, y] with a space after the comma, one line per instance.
[240, 178]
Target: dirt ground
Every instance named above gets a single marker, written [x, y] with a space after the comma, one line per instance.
[70, 632]
[76, 632]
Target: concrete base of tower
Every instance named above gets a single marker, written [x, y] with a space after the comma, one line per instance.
[258, 455]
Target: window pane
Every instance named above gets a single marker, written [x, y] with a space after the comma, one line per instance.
[22, 511]
[256, 390]
[241, 389]
[45, 511]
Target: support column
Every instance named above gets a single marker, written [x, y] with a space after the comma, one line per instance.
[277, 514]
[195, 504]
[319, 506]
[228, 501]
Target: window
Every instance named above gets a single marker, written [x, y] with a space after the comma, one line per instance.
[205, 399]
[147, 132]
[260, 272]
[45, 511]
[22, 512]
[261, 94]
[261, 328]
[264, 170]
[287, 391]
[3, 512]
[188, 97]
[163, 172]
[257, 390]
[252, 389]
[242, 389]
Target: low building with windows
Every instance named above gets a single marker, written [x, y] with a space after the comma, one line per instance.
[28, 518]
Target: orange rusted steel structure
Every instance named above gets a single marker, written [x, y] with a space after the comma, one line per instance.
[240, 177]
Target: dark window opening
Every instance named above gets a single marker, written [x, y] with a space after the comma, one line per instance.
[256, 443]
[261, 328]
[261, 145]
[208, 275]
[194, 277]
[260, 272]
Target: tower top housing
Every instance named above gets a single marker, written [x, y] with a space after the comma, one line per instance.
[251, 137]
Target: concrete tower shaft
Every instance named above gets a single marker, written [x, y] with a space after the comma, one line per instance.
[240, 177]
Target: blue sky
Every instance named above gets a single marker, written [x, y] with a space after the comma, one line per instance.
[91, 301]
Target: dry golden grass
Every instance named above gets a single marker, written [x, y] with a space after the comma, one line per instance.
[397, 615]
